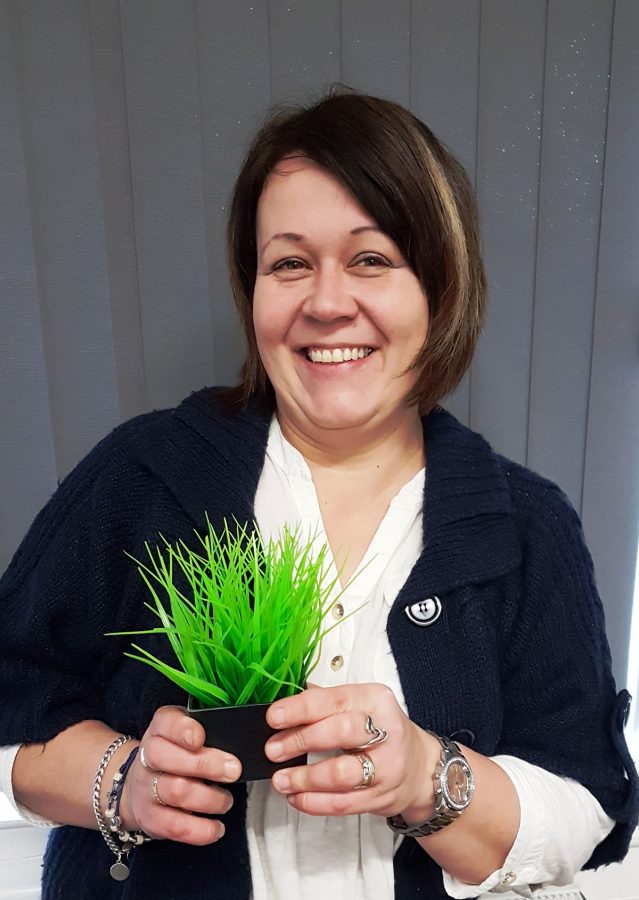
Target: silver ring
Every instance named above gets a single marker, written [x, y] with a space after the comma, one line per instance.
[154, 788]
[368, 770]
[378, 735]
[143, 760]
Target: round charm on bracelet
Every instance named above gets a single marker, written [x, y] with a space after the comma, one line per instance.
[119, 871]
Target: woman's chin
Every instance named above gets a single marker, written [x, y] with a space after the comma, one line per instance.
[340, 423]
[338, 416]
[342, 411]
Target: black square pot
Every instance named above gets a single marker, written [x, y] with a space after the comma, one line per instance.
[242, 731]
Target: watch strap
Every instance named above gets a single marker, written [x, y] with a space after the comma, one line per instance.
[422, 829]
[444, 815]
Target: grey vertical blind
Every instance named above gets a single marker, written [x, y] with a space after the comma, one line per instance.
[123, 126]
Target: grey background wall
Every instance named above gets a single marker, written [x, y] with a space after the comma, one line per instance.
[123, 124]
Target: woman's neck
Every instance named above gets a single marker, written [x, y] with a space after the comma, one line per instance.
[378, 455]
[355, 481]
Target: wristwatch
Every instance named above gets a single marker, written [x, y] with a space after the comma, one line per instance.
[454, 788]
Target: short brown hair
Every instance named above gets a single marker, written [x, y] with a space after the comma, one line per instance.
[416, 192]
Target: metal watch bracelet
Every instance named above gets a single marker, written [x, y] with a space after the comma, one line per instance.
[447, 810]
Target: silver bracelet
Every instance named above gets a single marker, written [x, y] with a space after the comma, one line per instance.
[119, 870]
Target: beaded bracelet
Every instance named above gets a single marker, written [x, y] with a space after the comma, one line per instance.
[112, 811]
[119, 870]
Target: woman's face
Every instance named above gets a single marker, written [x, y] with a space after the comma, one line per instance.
[338, 314]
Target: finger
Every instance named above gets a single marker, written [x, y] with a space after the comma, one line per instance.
[192, 794]
[311, 705]
[355, 803]
[174, 724]
[165, 822]
[338, 774]
[341, 731]
[318, 703]
[209, 763]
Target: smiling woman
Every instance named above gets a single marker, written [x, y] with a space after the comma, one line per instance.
[460, 739]
[348, 286]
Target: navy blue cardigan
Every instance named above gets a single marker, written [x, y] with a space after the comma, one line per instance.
[517, 662]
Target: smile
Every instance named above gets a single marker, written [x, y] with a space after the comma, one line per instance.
[338, 355]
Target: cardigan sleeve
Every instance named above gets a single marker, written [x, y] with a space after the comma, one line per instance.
[561, 708]
[60, 593]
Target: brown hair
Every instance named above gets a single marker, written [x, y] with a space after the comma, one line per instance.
[416, 192]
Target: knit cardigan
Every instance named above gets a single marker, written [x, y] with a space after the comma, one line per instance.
[517, 663]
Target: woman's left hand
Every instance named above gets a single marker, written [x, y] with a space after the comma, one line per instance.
[325, 719]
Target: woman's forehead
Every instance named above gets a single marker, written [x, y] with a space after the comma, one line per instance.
[301, 189]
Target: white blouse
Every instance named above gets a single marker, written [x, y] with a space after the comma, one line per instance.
[312, 858]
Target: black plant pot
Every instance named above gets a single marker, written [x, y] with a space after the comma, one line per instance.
[242, 731]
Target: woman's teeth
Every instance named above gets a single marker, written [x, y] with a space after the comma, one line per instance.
[339, 355]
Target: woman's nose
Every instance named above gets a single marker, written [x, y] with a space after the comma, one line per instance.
[329, 298]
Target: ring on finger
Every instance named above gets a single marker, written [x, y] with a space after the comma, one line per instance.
[368, 770]
[143, 760]
[377, 735]
[154, 788]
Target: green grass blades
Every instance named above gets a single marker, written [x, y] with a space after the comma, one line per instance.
[247, 626]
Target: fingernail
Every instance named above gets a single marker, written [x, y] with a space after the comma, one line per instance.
[221, 830]
[281, 782]
[188, 738]
[275, 749]
[232, 768]
[276, 715]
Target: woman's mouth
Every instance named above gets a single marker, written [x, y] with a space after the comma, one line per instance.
[337, 354]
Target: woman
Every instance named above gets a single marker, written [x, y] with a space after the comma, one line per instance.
[480, 659]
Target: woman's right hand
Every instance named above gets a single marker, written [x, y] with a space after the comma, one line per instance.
[175, 754]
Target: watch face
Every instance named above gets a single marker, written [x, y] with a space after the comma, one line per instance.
[457, 783]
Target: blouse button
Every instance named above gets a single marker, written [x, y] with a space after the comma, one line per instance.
[336, 663]
[508, 878]
[338, 611]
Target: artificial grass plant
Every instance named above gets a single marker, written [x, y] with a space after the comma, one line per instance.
[251, 628]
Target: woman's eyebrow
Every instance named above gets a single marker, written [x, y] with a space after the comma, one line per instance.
[286, 235]
[367, 228]
[292, 236]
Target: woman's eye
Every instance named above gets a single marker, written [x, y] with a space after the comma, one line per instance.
[371, 261]
[288, 265]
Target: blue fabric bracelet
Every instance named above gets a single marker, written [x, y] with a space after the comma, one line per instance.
[129, 839]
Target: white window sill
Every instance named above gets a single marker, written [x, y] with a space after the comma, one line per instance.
[617, 882]
[21, 849]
